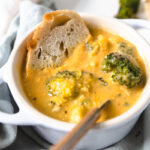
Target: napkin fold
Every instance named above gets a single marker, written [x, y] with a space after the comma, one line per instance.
[7, 132]
[29, 15]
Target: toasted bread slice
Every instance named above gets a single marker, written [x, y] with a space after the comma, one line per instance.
[55, 38]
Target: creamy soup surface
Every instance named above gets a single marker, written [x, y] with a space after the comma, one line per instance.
[88, 58]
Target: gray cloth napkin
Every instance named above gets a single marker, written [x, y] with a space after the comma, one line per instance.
[29, 15]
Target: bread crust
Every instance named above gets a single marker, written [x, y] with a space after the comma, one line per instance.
[55, 24]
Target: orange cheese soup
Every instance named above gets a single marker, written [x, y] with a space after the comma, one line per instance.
[82, 83]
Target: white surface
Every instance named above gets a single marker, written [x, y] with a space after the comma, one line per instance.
[115, 128]
[95, 139]
[104, 7]
[145, 34]
[9, 8]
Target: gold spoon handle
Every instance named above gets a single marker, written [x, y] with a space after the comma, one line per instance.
[79, 130]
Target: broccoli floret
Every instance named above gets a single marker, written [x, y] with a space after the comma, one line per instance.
[68, 84]
[110, 62]
[134, 4]
[123, 70]
[125, 13]
[63, 84]
[128, 8]
[124, 48]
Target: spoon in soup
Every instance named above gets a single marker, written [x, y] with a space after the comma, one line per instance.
[73, 137]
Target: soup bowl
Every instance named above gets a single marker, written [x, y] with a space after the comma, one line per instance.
[102, 134]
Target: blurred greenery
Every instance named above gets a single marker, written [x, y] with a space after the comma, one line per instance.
[128, 9]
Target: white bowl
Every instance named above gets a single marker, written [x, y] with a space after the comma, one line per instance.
[103, 134]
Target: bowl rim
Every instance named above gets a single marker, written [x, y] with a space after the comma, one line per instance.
[65, 126]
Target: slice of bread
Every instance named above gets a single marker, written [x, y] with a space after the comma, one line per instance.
[55, 39]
